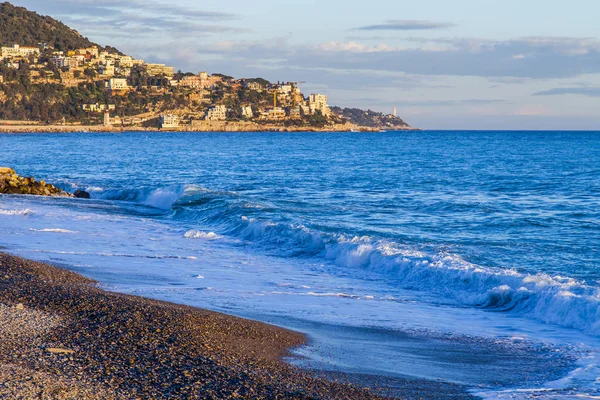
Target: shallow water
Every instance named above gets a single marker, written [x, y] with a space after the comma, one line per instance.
[470, 257]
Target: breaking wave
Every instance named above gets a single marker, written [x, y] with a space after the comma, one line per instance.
[194, 234]
[26, 211]
[556, 299]
[559, 300]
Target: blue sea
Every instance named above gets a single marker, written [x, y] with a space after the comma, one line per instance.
[465, 257]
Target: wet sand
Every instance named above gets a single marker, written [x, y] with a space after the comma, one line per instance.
[61, 337]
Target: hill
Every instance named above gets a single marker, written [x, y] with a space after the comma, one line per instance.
[59, 75]
[27, 28]
[370, 118]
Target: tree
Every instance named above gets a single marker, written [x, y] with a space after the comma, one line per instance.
[90, 73]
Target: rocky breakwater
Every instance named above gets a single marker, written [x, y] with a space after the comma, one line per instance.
[11, 183]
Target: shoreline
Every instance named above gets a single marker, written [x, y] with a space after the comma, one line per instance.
[62, 334]
[208, 127]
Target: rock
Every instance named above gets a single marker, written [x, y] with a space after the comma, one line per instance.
[59, 351]
[82, 194]
[20, 306]
[11, 183]
[6, 171]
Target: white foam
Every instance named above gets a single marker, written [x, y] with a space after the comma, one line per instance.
[26, 211]
[94, 189]
[53, 230]
[194, 234]
[557, 300]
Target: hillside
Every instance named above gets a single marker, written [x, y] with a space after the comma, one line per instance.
[370, 118]
[27, 28]
[53, 74]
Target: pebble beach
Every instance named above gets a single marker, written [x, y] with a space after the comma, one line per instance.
[62, 337]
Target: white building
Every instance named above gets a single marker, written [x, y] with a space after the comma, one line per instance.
[168, 121]
[318, 102]
[285, 89]
[125, 61]
[159, 69]
[98, 107]
[117, 84]
[19, 51]
[247, 112]
[216, 113]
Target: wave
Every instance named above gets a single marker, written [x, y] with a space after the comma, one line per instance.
[557, 299]
[53, 230]
[26, 211]
[194, 234]
[453, 280]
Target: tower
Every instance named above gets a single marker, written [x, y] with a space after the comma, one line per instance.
[106, 118]
[395, 112]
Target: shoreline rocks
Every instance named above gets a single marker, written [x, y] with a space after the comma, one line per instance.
[12, 183]
[82, 194]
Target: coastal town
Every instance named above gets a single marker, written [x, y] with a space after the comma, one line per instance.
[114, 90]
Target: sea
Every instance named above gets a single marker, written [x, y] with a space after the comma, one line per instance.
[456, 256]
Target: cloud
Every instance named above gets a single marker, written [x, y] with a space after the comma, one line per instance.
[449, 103]
[134, 19]
[96, 8]
[406, 25]
[582, 91]
[544, 58]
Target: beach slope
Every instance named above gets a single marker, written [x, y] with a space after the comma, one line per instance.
[63, 337]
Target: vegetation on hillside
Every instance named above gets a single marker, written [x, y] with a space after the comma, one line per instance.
[19, 25]
[369, 118]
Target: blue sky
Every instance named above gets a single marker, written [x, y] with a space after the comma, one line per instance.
[462, 64]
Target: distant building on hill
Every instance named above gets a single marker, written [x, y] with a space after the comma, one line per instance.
[159, 69]
[117, 85]
[107, 118]
[169, 121]
[65, 62]
[216, 113]
[276, 113]
[316, 102]
[247, 112]
[19, 51]
[97, 107]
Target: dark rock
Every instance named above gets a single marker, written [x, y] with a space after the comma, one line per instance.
[82, 194]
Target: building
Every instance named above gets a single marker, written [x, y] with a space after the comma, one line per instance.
[107, 118]
[275, 114]
[117, 84]
[65, 62]
[125, 61]
[19, 51]
[247, 112]
[285, 89]
[92, 51]
[98, 107]
[191, 81]
[159, 69]
[108, 69]
[254, 86]
[203, 75]
[216, 113]
[318, 102]
[169, 121]
[295, 113]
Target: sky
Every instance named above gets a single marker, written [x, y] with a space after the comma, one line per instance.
[462, 64]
